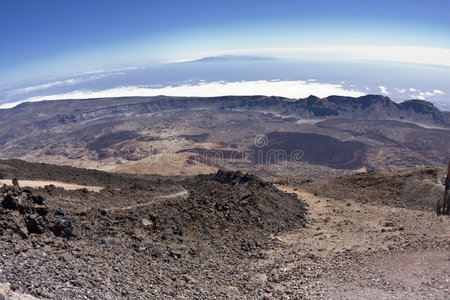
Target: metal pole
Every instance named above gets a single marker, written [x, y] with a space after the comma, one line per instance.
[448, 169]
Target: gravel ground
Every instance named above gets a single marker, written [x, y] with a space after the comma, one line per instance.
[223, 236]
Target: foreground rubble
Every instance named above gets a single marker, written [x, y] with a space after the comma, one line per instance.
[226, 236]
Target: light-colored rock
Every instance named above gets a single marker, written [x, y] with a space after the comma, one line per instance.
[7, 294]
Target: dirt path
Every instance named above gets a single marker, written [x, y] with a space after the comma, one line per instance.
[41, 184]
[182, 194]
[368, 251]
[347, 225]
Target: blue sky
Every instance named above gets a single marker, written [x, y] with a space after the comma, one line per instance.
[53, 37]
[62, 49]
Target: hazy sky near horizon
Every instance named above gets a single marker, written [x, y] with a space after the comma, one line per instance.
[51, 37]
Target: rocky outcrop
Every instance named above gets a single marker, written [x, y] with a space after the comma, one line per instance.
[60, 225]
[23, 213]
[234, 178]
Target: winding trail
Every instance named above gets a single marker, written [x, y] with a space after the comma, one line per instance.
[183, 194]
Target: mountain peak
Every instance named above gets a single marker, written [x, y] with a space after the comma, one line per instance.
[419, 106]
[231, 58]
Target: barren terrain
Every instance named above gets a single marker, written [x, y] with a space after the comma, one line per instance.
[226, 236]
[267, 136]
[341, 205]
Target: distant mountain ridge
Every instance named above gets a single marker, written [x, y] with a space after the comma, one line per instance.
[232, 58]
[178, 135]
[375, 107]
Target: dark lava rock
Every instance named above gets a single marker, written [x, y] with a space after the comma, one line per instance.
[175, 254]
[12, 202]
[60, 226]
[38, 199]
[233, 178]
[26, 213]
[35, 224]
[177, 230]
[158, 221]
[193, 246]
[42, 210]
[138, 248]
[14, 222]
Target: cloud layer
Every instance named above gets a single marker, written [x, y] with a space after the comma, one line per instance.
[289, 89]
[404, 54]
[424, 95]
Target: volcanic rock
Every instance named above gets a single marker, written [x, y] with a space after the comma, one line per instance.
[60, 226]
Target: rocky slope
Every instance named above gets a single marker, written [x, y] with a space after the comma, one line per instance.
[150, 238]
[224, 236]
[47, 114]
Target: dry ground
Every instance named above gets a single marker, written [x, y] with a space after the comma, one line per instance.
[43, 183]
[361, 250]
[233, 236]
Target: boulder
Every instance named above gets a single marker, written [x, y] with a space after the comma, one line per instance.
[12, 201]
[35, 224]
[60, 226]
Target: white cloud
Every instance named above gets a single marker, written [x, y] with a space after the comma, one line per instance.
[416, 93]
[107, 71]
[422, 95]
[44, 86]
[71, 81]
[408, 54]
[289, 89]
[11, 104]
[383, 90]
